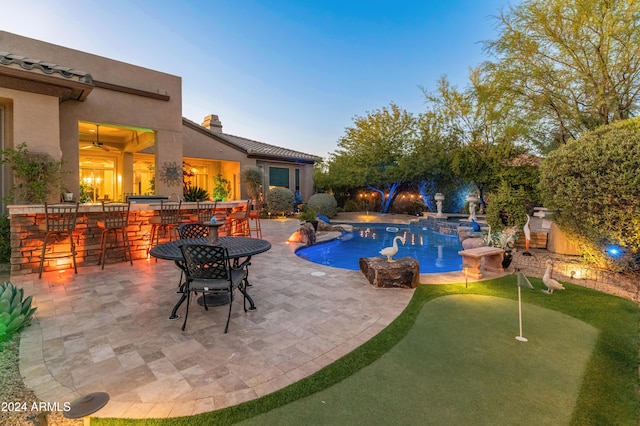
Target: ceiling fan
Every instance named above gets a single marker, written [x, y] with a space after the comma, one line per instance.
[97, 143]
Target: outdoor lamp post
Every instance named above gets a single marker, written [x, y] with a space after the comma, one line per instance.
[465, 267]
[86, 405]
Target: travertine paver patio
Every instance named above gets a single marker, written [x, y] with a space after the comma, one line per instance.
[109, 331]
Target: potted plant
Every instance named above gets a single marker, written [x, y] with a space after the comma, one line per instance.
[309, 216]
[221, 188]
[67, 196]
[505, 240]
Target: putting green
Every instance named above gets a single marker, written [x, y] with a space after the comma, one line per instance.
[461, 364]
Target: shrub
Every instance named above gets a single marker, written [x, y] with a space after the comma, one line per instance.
[38, 175]
[325, 204]
[506, 207]
[5, 240]
[221, 187]
[308, 214]
[15, 312]
[195, 193]
[412, 206]
[280, 200]
[352, 206]
[593, 185]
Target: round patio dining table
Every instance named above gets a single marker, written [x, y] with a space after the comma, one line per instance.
[237, 247]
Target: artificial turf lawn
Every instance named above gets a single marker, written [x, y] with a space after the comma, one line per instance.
[607, 393]
[461, 364]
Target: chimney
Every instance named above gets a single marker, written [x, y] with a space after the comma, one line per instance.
[212, 122]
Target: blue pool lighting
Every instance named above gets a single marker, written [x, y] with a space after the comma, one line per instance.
[435, 252]
[614, 251]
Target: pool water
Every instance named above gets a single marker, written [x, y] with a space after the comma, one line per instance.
[435, 252]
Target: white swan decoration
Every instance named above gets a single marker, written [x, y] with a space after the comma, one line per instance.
[391, 251]
[550, 282]
[527, 236]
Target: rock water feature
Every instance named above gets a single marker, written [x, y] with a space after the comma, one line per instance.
[403, 273]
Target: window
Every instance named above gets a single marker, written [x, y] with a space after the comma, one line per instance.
[278, 176]
[97, 178]
[115, 161]
[144, 182]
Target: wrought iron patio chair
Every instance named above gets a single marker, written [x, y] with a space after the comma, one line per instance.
[168, 220]
[59, 220]
[209, 271]
[254, 219]
[192, 230]
[206, 210]
[239, 222]
[115, 219]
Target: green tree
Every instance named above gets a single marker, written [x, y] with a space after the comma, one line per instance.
[593, 185]
[576, 62]
[370, 153]
[487, 125]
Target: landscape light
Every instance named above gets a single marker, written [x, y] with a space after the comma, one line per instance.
[614, 251]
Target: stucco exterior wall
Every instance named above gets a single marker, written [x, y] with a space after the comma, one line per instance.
[57, 123]
[35, 121]
[198, 144]
[122, 95]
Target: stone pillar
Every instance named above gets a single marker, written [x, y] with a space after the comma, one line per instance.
[472, 206]
[439, 199]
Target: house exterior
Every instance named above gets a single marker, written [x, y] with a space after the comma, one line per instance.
[120, 130]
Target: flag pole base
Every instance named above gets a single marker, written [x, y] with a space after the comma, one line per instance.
[522, 339]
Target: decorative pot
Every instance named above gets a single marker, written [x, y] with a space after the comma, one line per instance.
[506, 259]
[67, 196]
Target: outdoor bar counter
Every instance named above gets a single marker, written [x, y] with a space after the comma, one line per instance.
[27, 238]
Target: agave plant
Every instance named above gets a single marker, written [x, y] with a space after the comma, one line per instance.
[15, 313]
[195, 193]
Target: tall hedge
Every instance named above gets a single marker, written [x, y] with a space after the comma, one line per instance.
[593, 184]
[507, 207]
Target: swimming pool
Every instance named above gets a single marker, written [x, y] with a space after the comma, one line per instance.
[435, 252]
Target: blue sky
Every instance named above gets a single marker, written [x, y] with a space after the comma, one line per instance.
[290, 73]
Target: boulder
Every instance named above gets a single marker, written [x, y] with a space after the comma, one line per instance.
[473, 242]
[343, 227]
[325, 226]
[402, 273]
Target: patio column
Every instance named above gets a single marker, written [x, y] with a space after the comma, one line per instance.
[168, 157]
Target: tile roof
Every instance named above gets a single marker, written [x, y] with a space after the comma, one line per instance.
[8, 59]
[257, 149]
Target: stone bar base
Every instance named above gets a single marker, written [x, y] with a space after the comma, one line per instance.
[402, 273]
[27, 238]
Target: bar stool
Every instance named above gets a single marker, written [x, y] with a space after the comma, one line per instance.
[239, 222]
[168, 219]
[60, 220]
[206, 210]
[254, 220]
[115, 218]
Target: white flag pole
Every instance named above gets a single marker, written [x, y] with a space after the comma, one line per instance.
[520, 338]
